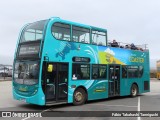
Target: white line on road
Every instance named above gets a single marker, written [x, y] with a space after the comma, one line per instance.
[26, 118]
[138, 107]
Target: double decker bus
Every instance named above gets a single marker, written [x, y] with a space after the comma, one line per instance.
[58, 61]
[158, 69]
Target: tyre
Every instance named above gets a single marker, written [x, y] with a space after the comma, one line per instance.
[79, 96]
[134, 90]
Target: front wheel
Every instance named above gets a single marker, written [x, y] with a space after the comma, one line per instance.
[134, 90]
[79, 97]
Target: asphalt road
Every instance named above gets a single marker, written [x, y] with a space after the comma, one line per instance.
[144, 102]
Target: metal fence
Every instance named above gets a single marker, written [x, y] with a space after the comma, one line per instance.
[143, 47]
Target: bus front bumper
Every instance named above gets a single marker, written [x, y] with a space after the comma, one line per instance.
[37, 99]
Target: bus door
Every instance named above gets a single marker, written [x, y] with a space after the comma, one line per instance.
[56, 82]
[114, 80]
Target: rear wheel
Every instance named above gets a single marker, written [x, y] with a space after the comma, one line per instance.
[134, 90]
[79, 96]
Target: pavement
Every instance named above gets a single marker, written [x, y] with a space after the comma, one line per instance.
[144, 102]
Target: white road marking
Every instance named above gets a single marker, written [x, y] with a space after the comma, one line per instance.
[26, 118]
[138, 107]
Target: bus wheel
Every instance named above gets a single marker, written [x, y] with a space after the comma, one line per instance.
[134, 90]
[79, 96]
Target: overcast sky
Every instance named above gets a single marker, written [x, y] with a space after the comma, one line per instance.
[127, 21]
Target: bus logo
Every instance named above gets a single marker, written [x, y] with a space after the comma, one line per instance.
[136, 59]
[23, 89]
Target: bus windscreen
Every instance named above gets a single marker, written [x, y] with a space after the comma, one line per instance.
[26, 73]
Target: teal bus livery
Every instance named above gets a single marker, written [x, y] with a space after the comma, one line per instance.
[58, 61]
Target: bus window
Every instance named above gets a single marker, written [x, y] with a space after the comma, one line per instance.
[98, 71]
[94, 71]
[80, 71]
[32, 35]
[124, 71]
[80, 34]
[99, 38]
[102, 71]
[133, 71]
[140, 71]
[33, 32]
[61, 31]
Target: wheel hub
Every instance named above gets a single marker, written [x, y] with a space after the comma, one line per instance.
[78, 96]
[134, 91]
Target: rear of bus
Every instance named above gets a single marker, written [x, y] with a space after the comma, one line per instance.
[27, 64]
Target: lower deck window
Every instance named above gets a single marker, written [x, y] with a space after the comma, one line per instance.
[132, 71]
[80, 71]
[99, 71]
[124, 71]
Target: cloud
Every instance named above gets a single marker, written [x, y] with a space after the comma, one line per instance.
[109, 51]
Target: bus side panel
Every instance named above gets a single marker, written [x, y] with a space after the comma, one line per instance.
[126, 87]
[99, 90]
[96, 89]
[126, 84]
[123, 87]
[64, 51]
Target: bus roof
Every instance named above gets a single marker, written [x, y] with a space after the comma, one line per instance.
[78, 24]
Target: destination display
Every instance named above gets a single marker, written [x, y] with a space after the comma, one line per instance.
[81, 59]
[29, 50]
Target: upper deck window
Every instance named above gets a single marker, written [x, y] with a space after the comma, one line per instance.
[99, 38]
[61, 31]
[80, 34]
[33, 31]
